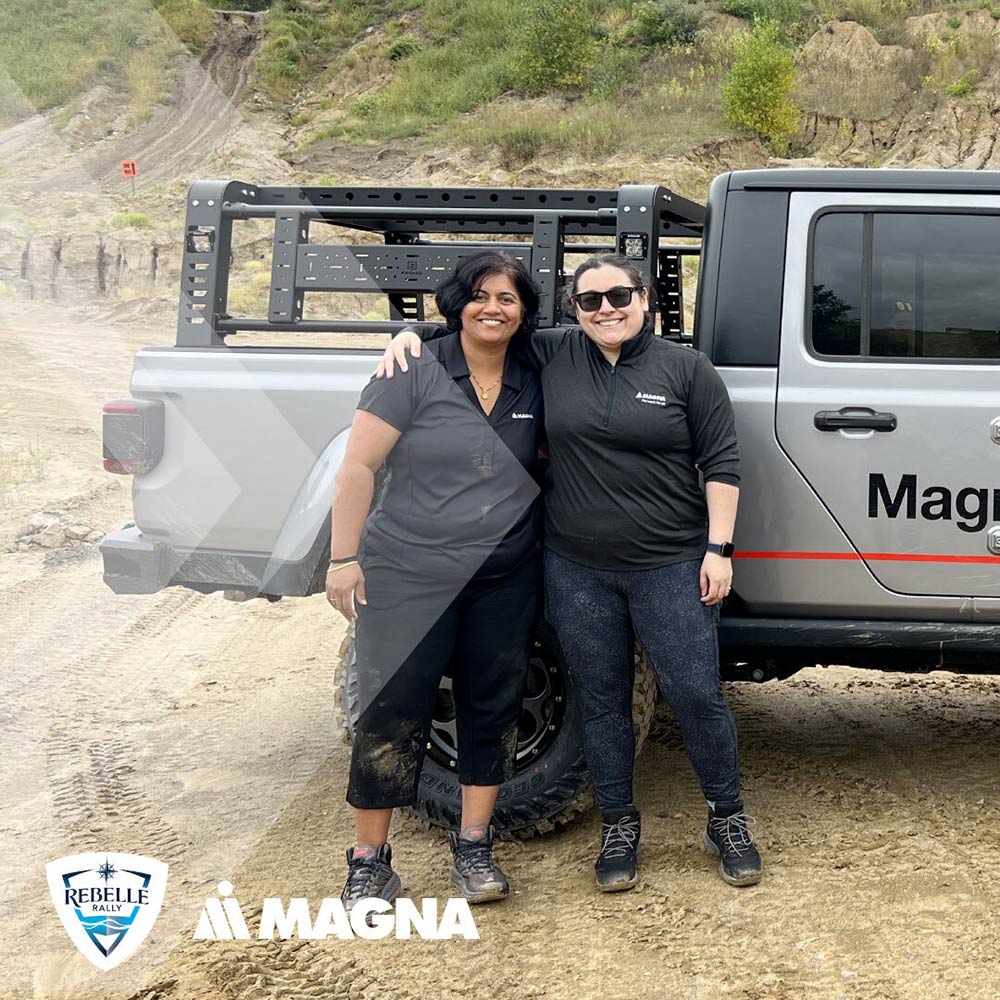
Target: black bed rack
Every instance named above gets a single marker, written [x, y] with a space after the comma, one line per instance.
[545, 225]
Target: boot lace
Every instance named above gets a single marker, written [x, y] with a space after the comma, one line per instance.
[360, 875]
[619, 838]
[733, 832]
[477, 856]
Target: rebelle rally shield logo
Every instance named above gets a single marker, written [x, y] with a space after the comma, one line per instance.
[107, 902]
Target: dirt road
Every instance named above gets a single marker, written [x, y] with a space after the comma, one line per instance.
[199, 732]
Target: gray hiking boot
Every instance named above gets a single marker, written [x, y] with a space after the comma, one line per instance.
[474, 873]
[369, 875]
[729, 838]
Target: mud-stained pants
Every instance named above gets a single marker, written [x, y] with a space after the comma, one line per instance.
[483, 636]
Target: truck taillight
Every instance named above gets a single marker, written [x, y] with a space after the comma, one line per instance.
[133, 435]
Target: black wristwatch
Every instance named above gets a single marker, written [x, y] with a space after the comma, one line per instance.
[724, 549]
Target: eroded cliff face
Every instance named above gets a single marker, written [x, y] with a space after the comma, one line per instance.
[935, 94]
[73, 230]
[82, 267]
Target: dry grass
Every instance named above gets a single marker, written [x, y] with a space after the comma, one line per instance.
[956, 60]
[673, 104]
[19, 467]
[843, 88]
[886, 19]
[249, 289]
[144, 75]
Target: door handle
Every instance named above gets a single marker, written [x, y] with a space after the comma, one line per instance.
[854, 418]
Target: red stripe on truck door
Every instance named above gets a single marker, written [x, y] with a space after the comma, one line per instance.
[870, 556]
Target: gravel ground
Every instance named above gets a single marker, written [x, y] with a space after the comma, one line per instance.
[200, 732]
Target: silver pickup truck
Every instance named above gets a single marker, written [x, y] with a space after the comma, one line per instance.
[853, 314]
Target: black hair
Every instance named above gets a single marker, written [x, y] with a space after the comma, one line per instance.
[458, 290]
[636, 275]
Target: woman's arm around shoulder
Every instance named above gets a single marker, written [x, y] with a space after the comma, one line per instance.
[410, 339]
[544, 345]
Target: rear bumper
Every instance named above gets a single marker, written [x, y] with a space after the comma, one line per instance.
[133, 564]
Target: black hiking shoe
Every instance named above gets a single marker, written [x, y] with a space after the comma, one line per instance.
[616, 866]
[370, 876]
[474, 872]
[728, 837]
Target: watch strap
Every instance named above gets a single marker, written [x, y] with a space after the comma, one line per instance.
[724, 549]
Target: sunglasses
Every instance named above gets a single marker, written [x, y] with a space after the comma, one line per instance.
[618, 297]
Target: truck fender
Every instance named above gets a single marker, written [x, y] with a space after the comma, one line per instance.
[305, 534]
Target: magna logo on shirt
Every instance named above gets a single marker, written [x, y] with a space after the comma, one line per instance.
[522, 416]
[652, 398]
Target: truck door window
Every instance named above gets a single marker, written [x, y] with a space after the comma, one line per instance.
[837, 284]
[932, 281]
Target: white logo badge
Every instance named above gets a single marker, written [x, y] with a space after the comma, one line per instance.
[107, 902]
[222, 919]
[651, 397]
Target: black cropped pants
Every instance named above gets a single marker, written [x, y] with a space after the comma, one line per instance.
[405, 644]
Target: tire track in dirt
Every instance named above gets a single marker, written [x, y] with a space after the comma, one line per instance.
[98, 775]
[141, 723]
[58, 680]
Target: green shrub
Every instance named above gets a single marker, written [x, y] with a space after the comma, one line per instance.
[962, 87]
[756, 94]
[406, 45]
[130, 220]
[784, 12]
[665, 22]
[559, 46]
[368, 105]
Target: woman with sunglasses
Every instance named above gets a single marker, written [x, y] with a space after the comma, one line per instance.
[635, 425]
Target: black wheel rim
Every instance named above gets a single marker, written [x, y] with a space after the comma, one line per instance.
[543, 709]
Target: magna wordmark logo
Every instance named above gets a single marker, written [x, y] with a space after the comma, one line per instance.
[107, 902]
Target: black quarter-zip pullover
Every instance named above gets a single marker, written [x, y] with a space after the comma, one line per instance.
[629, 444]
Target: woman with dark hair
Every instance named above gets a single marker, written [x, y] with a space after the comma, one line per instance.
[444, 573]
[640, 505]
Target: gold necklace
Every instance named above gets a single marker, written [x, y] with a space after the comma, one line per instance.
[484, 391]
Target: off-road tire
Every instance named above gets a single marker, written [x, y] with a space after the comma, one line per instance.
[551, 786]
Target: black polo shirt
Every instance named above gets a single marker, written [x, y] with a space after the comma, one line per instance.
[460, 498]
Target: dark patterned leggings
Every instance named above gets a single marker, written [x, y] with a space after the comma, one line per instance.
[590, 610]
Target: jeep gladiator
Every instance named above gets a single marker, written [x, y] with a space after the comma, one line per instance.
[853, 314]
